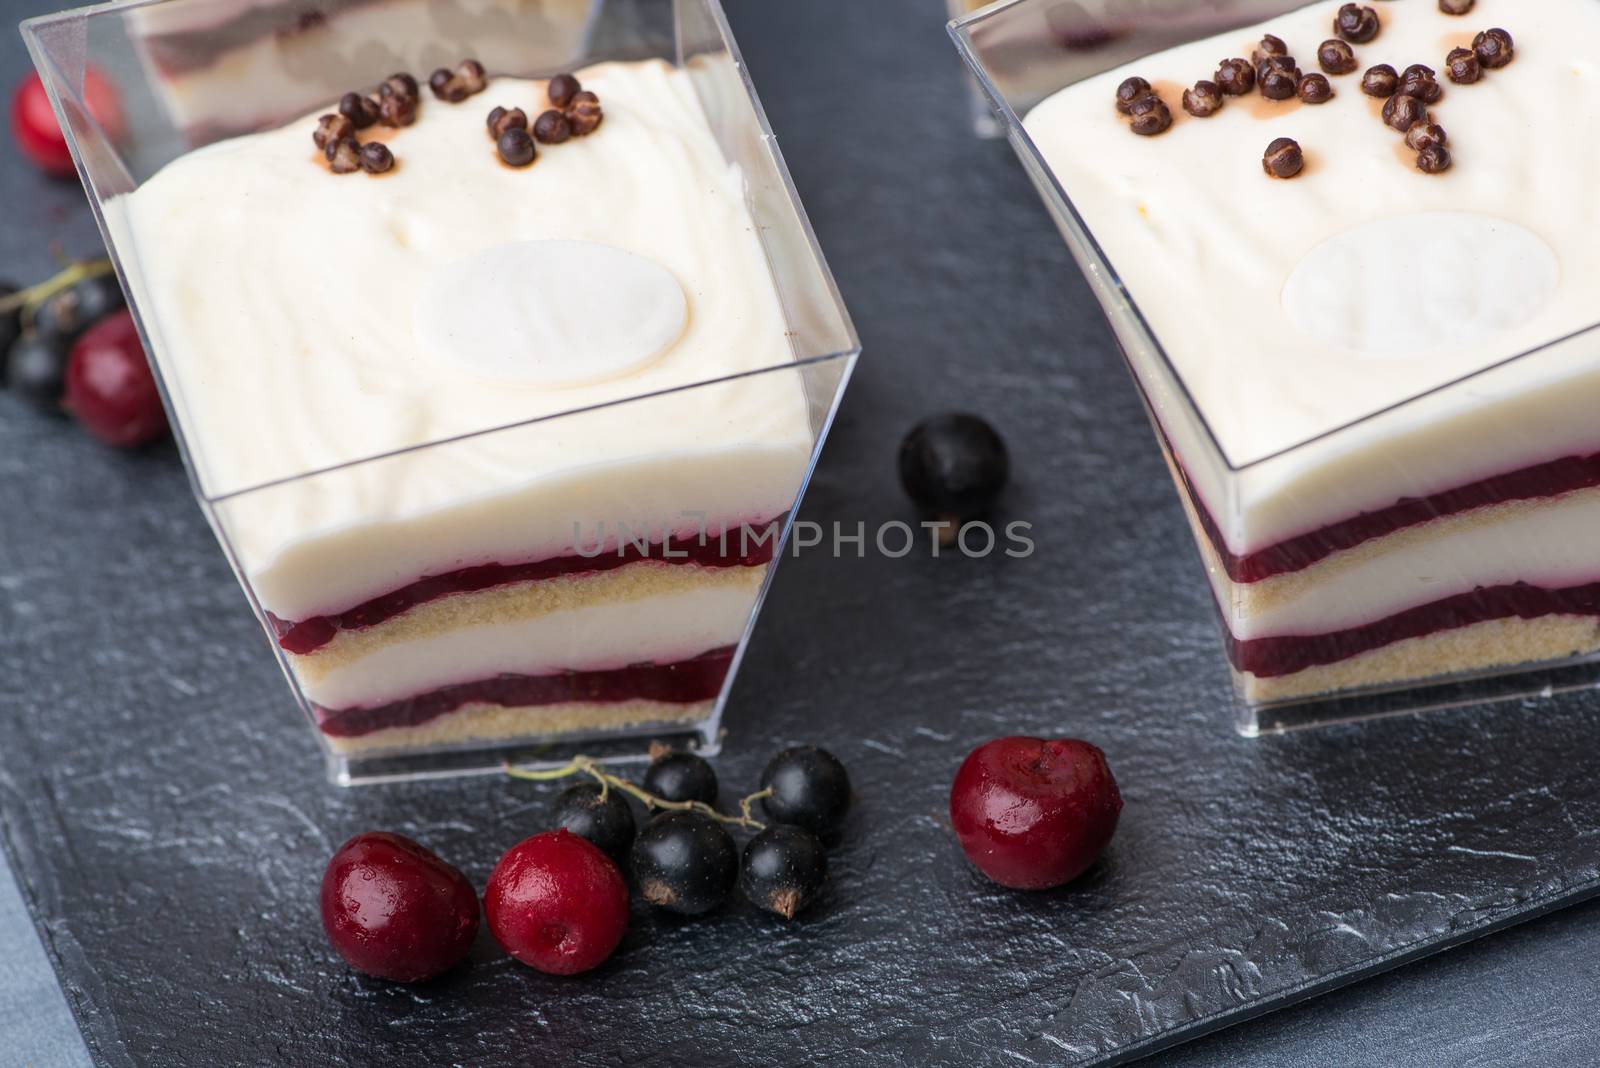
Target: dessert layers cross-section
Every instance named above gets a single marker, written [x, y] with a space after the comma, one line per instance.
[1379, 294]
[498, 445]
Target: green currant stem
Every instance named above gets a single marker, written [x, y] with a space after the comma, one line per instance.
[35, 295]
[582, 765]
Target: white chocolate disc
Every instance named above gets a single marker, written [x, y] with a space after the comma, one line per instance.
[550, 313]
[1415, 284]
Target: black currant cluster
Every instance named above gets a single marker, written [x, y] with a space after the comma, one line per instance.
[39, 326]
[684, 860]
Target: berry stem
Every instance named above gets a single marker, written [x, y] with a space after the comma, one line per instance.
[582, 765]
[35, 295]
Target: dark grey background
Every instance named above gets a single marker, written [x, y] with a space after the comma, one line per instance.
[166, 815]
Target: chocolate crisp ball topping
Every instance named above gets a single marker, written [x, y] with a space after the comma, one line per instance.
[1130, 90]
[332, 128]
[454, 86]
[501, 120]
[1456, 7]
[584, 114]
[516, 147]
[473, 76]
[1403, 112]
[1203, 100]
[1277, 83]
[1149, 116]
[1270, 46]
[1314, 89]
[1494, 47]
[397, 109]
[361, 110]
[1336, 57]
[376, 158]
[1462, 66]
[1356, 24]
[1382, 80]
[1434, 159]
[401, 84]
[344, 155]
[1424, 134]
[1283, 158]
[562, 88]
[1235, 77]
[1420, 82]
[551, 128]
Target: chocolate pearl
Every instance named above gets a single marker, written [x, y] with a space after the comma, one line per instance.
[1336, 57]
[1235, 77]
[376, 158]
[1270, 46]
[516, 147]
[1204, 99]
[397, 109]
[1424, 134]
[584, 113]
[1278, 84]
[1314, 89]
[1356, 24]
[343, 155]
[471, 75]
[562, 88]
[501, 120]
[1419, 81]
[360, 110]
[1462, 66]
[1403, 112]
[551, 128]
[1286, 64]
[1380, 81]
[1130, 90]
[332, 128]
[1150, 116]
[447, 86]
[1283, 158]
[1494, 48]
[1434, 159]
[1456, 7]
[402, 84]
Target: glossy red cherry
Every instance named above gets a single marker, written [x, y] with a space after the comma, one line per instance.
[394, 910]
[33, 121]
[557, 903]
[110, 389]
[1033, 814]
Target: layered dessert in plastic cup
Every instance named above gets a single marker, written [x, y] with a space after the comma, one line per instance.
[1348, 251]
[499, 386]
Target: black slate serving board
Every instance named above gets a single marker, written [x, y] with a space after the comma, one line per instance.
[165, 809]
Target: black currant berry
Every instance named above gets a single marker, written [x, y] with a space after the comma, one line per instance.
[37, 371]
[66, 315]
[600, 815]
[810, 789]
[954, 464]
[685, 862]
[681, 777]
[784, 869]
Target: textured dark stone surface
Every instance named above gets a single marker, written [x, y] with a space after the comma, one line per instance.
[166, 813]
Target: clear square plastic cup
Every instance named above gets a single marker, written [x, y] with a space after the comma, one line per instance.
[1432, 545]
[448, 590]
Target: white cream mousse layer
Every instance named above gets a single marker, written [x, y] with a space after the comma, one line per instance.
[305, 320]
[1291, 309]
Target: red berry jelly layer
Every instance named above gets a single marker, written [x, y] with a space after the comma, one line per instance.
[1529, 483]
[681, 682]
[746, 546]
[1275, 656]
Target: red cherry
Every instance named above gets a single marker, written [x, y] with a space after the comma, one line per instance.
[33, 121]
[557, 903]
[1033, 814]
[109, 385]
[394, 910]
